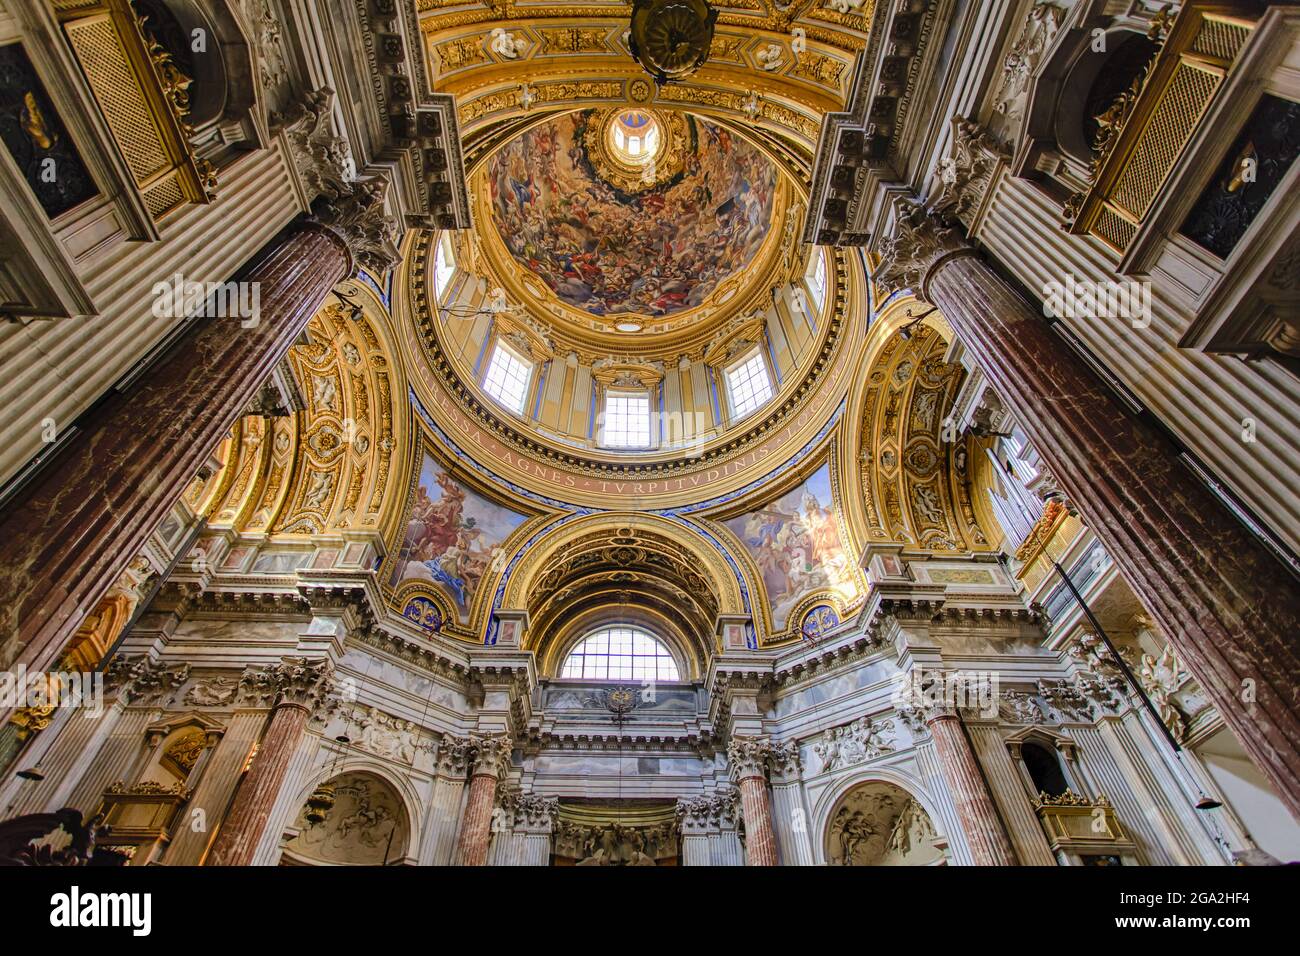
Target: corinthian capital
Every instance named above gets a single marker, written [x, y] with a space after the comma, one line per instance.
[707, 812]
[491, 755]
[294, 680]
[454, 756]
[359, 215]
[355, 209]
[529, 811]
[920, 243]
[748, 757]
[785, 761]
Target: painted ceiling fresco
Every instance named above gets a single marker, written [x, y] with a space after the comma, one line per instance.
[452, 535]
[795, 541]
[657, 252]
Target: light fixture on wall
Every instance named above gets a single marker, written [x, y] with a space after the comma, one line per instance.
[34, 772]
[905, 333]
[354, 308]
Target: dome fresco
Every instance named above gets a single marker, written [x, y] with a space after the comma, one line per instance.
[654, 252]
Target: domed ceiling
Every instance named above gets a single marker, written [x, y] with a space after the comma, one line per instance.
[631, 212]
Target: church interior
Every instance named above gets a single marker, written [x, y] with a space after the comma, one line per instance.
[667, 433]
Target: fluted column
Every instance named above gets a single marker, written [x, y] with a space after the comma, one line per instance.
[985, 834]
[747, 757]
[789, 817]
[73, 529]
[215, 788]
[491, 757]
[524, 839]
[1231, 609]
[446, 808]
[300, 686]
[693, 825]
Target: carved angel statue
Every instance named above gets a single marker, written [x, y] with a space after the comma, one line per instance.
[1161, 680]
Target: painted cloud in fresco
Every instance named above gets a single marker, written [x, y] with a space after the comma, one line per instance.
[452, 535]
[795, 541]
[658, 252]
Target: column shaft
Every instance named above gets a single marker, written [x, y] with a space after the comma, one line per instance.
[214, 790]
[1230, 608]
[756, 807]
[70, 533]
[979, 818]
[476, 827]
[242, 829]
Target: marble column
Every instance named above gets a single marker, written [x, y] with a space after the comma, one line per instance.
[491, 757]
[524, 839]
[446, 807]
[747, 758]
[789, 815]
[70, 533]
[215, 787]
[1231, 609]
[693, 824]
[300, 687]
[985, 834]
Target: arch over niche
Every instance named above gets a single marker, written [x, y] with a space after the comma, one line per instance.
[365, 823]
[623, 568]
[328, 466]
[877, 822]
[208, 45]
[912, 469]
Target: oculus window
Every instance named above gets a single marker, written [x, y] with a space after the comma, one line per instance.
[627, 420]
[749, 384]
[507, 378]
[620, 652]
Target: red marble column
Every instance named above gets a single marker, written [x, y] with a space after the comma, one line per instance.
[989, 843]
[300, 686]
[748, 760]
[491, 756]
[243, 826]
[1228, 606]
[67, 536]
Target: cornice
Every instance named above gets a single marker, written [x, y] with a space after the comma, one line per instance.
[865, 137]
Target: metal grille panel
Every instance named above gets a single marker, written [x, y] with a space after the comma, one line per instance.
[1163, 139]
[118, 91]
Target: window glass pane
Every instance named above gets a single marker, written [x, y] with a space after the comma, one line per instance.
[444, 266]
[817, 279]
[627, 420]
[620, 653]
[507, 378]
[749, 385]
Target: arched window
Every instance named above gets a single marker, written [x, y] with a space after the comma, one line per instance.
[1044, 769]
[620, 652]
[444, 266]
[816, 279]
